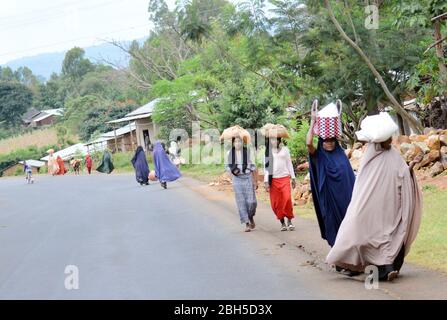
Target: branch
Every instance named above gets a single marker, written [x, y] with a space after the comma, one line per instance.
[435, 44]
[440, 17]
[413, 122]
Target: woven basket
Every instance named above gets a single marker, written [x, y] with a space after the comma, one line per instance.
[236, 132]
[329, 127]
[275, 131]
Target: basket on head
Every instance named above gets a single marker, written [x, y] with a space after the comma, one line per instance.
[328, 124]
[274, 131]
[236, 132]
[50, 151]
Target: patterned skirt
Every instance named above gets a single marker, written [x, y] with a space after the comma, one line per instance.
[245, 196]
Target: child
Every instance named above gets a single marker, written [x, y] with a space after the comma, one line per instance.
[28, 172]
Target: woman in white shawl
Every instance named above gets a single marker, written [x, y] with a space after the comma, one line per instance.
[384, 215]
[53, 167]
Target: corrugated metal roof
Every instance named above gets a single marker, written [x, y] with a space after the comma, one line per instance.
[67, 153]
[140, 113]
[120, 131]
[34, 163]
[147, 108]
[47, 113]
[139, 116]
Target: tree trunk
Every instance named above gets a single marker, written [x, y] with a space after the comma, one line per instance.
[397, 107]
[440, 52]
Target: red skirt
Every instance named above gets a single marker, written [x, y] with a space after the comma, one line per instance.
[281, 198]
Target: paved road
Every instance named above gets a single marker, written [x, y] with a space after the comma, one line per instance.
[133, 242]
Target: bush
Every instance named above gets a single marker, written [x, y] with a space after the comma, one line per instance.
[19, 172]
[297, 143]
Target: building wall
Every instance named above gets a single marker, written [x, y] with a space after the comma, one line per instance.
[145, 124]
[123, 143]
[44, 122]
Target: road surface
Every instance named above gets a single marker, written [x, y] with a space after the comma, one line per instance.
[133, 242]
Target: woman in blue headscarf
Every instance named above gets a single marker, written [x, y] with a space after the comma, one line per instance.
[165, 170]
[141, 167]
[332, 181]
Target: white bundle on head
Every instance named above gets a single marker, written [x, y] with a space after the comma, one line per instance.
[329, 111]
[377, 128]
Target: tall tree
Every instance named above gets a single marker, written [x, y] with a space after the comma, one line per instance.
[15, 99]
[75, 66]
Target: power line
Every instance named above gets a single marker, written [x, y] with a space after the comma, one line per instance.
[71, 40]
[48, 16]
[34, 12]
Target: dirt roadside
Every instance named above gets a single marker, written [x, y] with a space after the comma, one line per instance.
[414, 282]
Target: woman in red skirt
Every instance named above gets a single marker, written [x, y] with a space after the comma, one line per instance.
[278, 172]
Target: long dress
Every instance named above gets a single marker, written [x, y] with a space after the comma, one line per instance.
[53, 167]
[280, 190]
[243, 187]
[141, 167]
[61, 165]
[89, 163]
[332, 180]
[384, 215]
[165, 170]
[107, 165]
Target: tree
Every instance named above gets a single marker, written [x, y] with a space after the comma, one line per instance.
[50, 94]
[396, 105]
[95, 120]
[75, 66]
[15, 99]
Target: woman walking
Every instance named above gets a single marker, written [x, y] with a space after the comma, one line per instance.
[107, 165]
[278, 173]
[239, 163]
[165, 170]
[53, 167]
[384, 215]
[61, 166]
[332, 180]
[141, 167]
[88, 163]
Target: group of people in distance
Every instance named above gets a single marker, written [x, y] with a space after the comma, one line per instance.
[56, 165]
[368, 220]
[165, 169]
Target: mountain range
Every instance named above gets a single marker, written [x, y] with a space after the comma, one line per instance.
[46, 63]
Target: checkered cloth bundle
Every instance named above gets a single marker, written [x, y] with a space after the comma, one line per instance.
[328, 124]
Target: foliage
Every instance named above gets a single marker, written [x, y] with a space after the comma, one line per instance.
[297, 142]
[95, 120]
[15, 98]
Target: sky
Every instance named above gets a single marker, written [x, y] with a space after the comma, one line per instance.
[30, 27]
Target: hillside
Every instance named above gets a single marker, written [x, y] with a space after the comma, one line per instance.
[37, 138]
[46, 63]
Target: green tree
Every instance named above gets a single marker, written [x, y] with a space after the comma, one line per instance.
[75, 66]
[15, 99]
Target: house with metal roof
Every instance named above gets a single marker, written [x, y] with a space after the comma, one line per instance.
[145, 129]
[35, 118]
